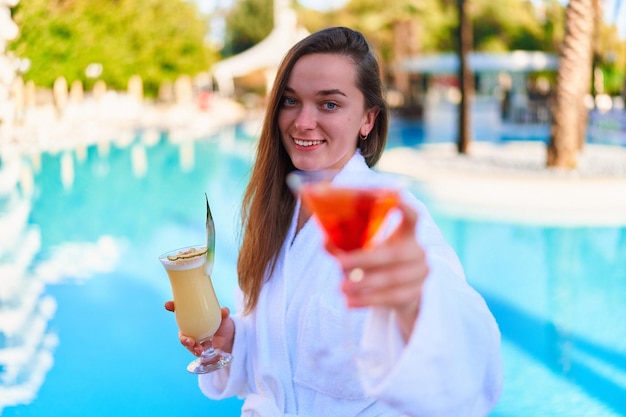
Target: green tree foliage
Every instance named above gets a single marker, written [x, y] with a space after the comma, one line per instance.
[553, 24]
[156, 39]
[499, 25]
[248, 22]
[612, 59]
[376, 20]
[497, 29]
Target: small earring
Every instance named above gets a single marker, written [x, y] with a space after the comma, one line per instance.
[362, 136]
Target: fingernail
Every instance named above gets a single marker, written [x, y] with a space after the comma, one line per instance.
[356, 275]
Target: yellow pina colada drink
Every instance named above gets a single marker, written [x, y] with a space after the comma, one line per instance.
[198, 312]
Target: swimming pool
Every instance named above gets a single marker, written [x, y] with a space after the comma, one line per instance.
[84, 332]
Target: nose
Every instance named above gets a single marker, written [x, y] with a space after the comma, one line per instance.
[306, 118]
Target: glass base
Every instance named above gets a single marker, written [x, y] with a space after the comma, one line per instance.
[206, 364]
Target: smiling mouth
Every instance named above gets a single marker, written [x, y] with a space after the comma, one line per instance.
[306, 143]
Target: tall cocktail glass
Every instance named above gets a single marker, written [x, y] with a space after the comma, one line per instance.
[197, 310]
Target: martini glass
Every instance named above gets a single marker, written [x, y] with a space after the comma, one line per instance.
[349, 212]
[198, 313]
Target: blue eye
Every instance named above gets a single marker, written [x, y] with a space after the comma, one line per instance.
[330, 105]
[289, 101]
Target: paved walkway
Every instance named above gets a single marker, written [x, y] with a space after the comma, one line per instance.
[509, 182]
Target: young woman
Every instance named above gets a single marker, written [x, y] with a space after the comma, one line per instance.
[426, 343]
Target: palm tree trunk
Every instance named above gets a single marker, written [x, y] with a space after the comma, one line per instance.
[407, 41]
[569, 123]
[465, 76]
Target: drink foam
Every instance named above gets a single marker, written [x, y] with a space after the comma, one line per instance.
[183, 259]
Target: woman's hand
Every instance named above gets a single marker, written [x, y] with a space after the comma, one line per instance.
[389, 275]
[222, 340]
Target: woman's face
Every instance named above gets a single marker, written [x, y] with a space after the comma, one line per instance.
[322, 112]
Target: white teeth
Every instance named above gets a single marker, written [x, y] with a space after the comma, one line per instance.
[307, 142]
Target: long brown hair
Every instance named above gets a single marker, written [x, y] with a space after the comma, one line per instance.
[268, 204]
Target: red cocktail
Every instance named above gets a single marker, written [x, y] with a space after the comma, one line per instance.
[350, 216]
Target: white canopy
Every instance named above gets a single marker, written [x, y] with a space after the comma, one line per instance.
[266, 55]
[516, 61]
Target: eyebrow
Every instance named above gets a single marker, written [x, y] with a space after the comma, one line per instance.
[321, 92]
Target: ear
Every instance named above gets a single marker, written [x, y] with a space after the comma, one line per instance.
[369, 118]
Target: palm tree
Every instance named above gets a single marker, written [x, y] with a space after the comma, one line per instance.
[465, 76]
[569, 123]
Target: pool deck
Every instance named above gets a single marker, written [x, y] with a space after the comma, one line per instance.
[509, 182]
[116, 118]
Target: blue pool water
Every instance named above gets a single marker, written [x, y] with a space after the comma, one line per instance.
[99, 343]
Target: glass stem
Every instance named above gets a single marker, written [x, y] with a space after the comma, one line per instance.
[208, 351]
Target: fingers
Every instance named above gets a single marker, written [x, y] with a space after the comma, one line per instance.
[395, 285]
[225, 313]
[407, 227]
[409, 215]
[396, 250]
[190, 343]
[390, 274]
[196, 348]
[169, 306]
[225, 335]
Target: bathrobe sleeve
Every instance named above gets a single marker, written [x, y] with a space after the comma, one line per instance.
[232, 380]
[451, 366]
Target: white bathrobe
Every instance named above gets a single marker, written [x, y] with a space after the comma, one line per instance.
[303, 353]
